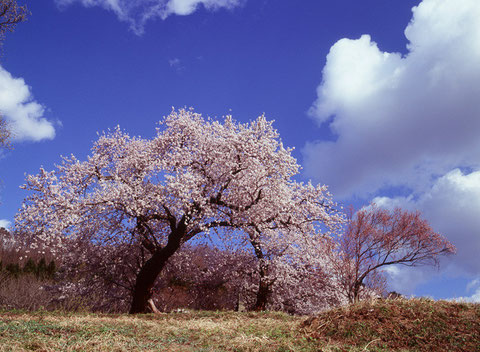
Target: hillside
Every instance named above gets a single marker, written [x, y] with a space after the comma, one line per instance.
[394, 325]
[399, 325]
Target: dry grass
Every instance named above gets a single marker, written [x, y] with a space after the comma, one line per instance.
[189, 331]
[398, 325]
[391, 325]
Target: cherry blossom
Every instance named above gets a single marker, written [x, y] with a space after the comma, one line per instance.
[197, 178]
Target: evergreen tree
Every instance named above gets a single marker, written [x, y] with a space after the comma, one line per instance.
[30, 267]
[51, 269]
[41, 272]
[13, 269]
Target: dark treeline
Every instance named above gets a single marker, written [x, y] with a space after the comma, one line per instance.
[199, 277]
[41, 270]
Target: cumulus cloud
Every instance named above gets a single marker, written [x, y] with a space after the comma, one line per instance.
[475, 296]
[5, 223]
[404, 279]
[138, 12]
[452, 206]
[21, 111]
[186, 7]
[401, 120]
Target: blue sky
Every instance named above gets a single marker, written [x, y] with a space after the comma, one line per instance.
[381, 103]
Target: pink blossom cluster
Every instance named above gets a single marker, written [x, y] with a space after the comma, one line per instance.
[198, 178]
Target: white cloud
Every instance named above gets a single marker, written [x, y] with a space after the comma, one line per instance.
[401, 120]
[452, 206]
[186, 7]
[475, 297]
[24, 115]
[175, 62]
[5, 223]
[138, 12]
[404, 279]
[473, 284]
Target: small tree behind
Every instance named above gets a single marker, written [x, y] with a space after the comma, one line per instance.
[377, 237]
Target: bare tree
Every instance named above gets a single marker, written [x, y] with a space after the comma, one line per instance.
[10, 14]
[4, 134]
[377, 237]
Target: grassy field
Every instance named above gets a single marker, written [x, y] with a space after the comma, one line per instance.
[189, 331]
[413, 325]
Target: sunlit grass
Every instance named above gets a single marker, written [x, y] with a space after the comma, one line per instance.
[189, 331]
[383, 325]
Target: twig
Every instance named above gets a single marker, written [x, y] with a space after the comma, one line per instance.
[365, 348]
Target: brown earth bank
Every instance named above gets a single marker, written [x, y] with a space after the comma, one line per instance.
[398, 325]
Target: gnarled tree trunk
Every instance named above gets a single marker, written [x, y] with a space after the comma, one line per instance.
[145, 280]
[263, 295]
[149, 272]
[264, 286]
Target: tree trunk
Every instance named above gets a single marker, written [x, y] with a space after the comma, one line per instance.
[149, 272]
[263, 294]
[358, 286]
[356, 291]
[264, 287]
[356, 294]
[145, 280]
[264, 284]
